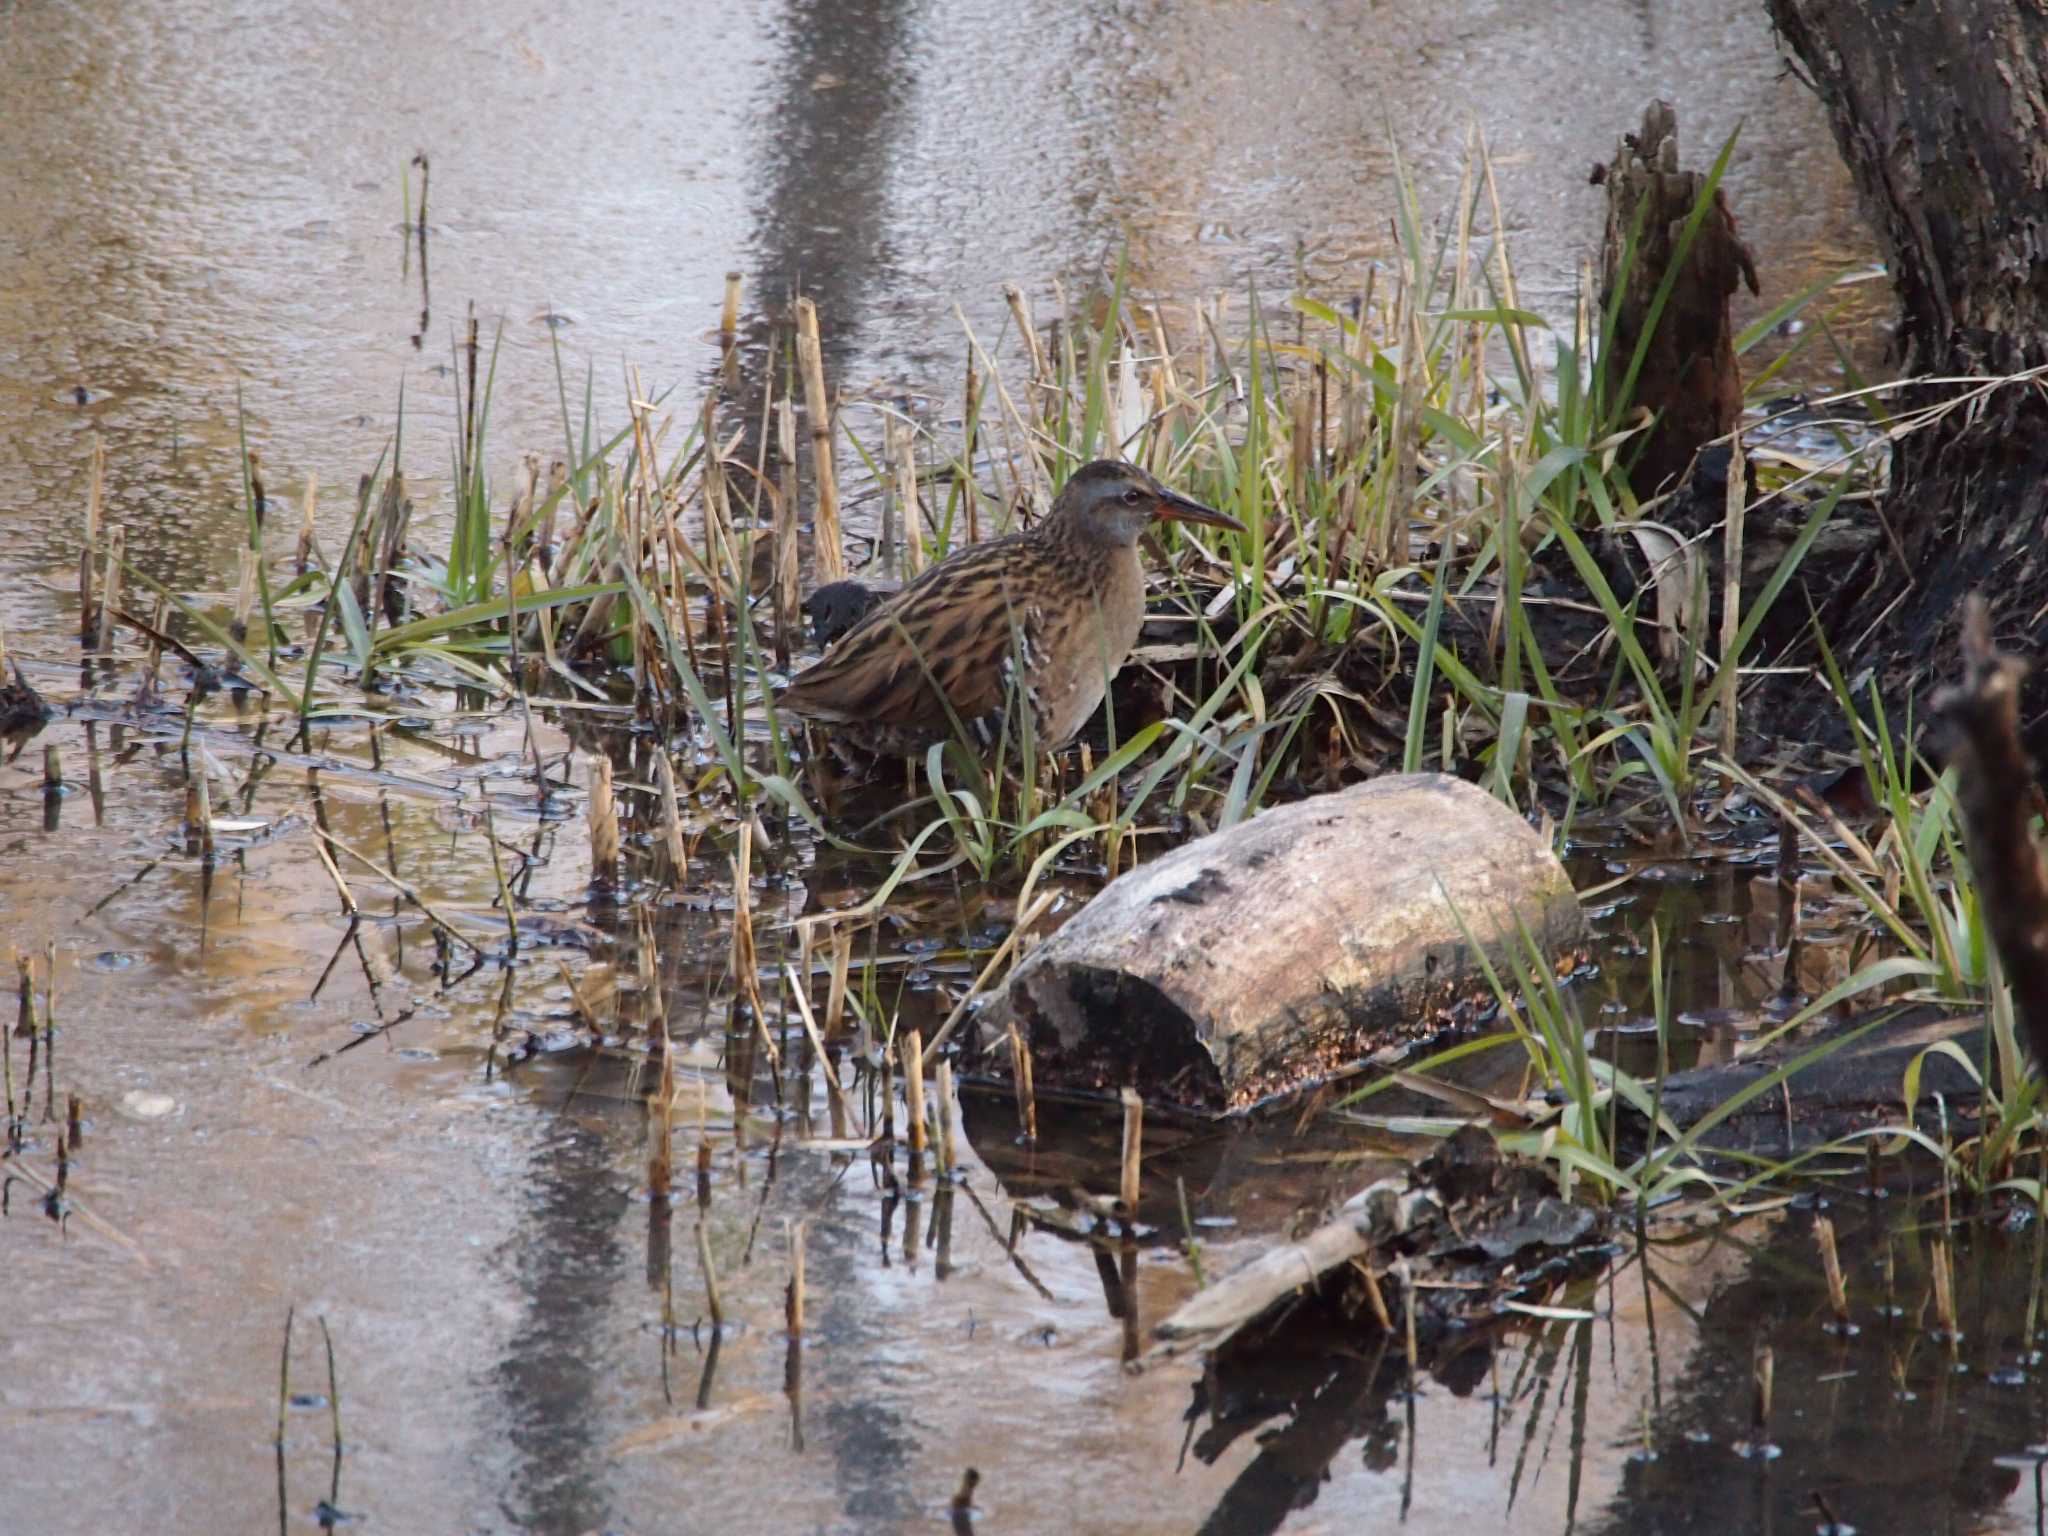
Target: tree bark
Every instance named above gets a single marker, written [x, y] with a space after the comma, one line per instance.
[1940, 108]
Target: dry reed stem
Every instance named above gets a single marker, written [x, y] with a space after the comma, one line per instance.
[1133, 1152]
[788, 600]
[1031, 914]
[729, 312]
[745, 962]
[110, 590]
[1027, 1100]
[302, 556]
[1731, 590]
[903, 463]
[794, 1310]
[1831, 1265]
[947, 1150]
[201, 803]
[711, 1298]
[835, 1091]
[88, 618]
[661, 1123]
[603, 813]
[671, 817]
[404, 888]
[835, 994]
[828, 554]
[1375, 1297]
[913, 1091]
[1943, 1270]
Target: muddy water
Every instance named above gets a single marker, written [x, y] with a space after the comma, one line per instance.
[284, 1115]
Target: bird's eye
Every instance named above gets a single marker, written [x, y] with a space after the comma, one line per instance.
[1132, 497]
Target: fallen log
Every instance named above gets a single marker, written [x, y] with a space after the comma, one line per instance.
[1272, 955]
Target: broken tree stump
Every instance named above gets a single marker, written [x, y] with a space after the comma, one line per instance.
[1978, 719]
[1689, 379]
[1266, 957]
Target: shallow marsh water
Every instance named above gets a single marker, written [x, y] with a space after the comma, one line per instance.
[200, 198]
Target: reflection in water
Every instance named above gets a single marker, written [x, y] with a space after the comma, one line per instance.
[568, 1257]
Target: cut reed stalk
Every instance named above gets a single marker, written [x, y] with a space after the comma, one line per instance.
[828, 553]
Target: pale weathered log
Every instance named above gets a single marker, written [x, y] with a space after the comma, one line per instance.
[1258, 959]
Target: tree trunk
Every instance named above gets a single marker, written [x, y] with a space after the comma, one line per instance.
[1940, 108]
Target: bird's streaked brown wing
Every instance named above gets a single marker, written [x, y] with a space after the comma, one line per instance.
[957, 617]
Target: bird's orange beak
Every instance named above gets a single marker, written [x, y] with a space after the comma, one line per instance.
[1176, 508]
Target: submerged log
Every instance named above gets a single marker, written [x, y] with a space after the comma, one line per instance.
[1266, 957]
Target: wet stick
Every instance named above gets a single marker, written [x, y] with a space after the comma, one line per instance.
[1133, 1153]
[829, 552]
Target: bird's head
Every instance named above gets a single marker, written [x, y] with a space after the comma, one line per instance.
[1112, 503]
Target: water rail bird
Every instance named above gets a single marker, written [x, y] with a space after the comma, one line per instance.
[1053, 612]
